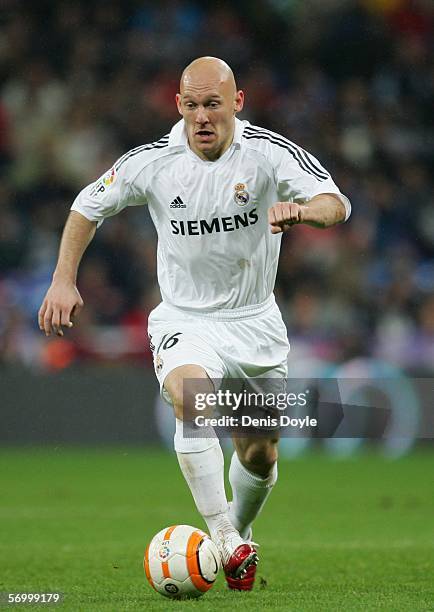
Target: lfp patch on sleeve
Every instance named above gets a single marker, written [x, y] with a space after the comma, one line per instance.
[104, 183]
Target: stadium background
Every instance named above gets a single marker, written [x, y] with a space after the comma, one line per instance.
[352, 82]
[81, 83]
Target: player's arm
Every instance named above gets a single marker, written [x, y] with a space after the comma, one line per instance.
[63, 299]
[104, 198]
[323, 210]
[305, 190]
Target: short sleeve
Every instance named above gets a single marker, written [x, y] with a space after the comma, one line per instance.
[109, 194]
[300, 177]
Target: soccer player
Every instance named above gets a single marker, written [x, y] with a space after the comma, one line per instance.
[220, 193]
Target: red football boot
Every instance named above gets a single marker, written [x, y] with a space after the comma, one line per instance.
[236, 554]
[242, 559]
[247, 580]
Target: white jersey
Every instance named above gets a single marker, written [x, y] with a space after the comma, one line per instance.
[215, 247]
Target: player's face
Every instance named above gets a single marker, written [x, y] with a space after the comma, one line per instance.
[208, 107]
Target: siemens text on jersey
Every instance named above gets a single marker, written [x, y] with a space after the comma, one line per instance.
[204, 226]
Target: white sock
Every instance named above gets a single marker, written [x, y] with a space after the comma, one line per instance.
[250, 492]
[204, 473]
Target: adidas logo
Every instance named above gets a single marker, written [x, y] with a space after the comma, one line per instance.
[178, 203]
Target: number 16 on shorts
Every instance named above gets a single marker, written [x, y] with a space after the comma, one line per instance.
[167, 342]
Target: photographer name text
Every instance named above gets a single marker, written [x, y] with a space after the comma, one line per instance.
[248, 421]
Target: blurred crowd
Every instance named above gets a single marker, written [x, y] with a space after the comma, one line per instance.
[351, 81]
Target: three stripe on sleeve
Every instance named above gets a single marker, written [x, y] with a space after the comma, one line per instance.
[158, 144]
[302, 157]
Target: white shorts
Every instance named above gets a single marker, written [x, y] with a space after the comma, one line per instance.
[242, 343]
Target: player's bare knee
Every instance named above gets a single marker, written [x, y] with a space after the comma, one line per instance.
[182, 385]
[259, 456]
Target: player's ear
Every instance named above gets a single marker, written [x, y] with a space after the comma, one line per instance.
[239, 101]
[178, 103]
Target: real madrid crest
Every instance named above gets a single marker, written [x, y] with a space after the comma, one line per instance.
[241, 195]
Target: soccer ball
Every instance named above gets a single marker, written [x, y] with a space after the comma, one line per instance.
[181, 562]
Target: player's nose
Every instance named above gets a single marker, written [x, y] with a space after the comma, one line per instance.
[201, 115]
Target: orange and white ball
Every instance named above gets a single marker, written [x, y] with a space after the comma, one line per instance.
[181, 561]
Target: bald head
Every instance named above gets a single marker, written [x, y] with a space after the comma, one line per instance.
[208, 71]
[208, 101]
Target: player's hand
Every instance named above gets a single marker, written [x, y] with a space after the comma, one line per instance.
[60, 305]
[284, 215]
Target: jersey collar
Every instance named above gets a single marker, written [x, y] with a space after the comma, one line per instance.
[178, 134]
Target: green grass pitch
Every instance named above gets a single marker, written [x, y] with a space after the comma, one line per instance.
[355, 534]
